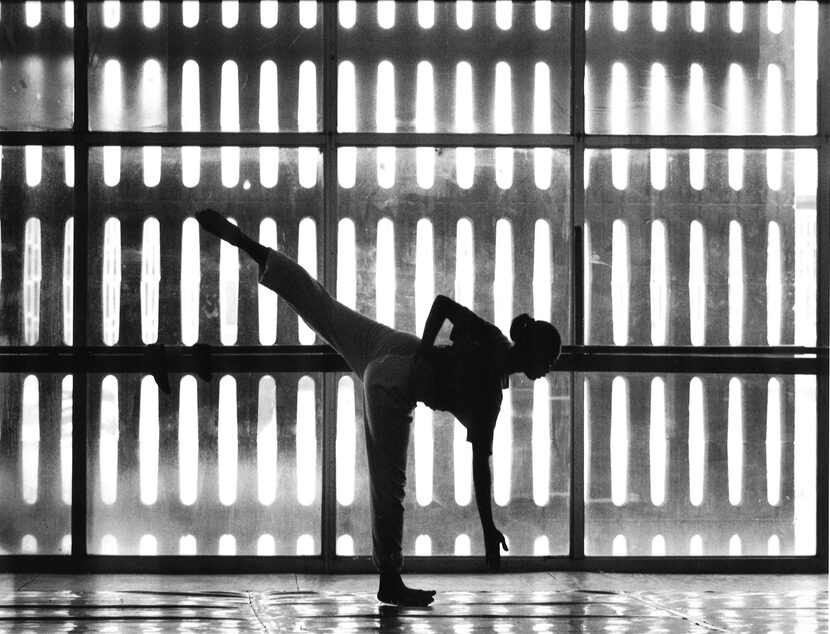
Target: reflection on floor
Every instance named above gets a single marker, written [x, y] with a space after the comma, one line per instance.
[540, 602]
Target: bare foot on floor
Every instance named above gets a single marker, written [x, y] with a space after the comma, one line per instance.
[392, 590]
[214, 222]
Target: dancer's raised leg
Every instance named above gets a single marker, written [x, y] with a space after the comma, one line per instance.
[214, 222]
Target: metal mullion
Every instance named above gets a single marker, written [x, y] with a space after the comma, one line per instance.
[577, 490]
[410, 139]
[80, 288]
[206, 139]
[711, 142]
[37, 137]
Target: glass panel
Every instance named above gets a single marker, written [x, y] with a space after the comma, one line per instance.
[489, 227]
[230, 467]
[37, 237]
[37, 76]
[701, 68]
[694, 247]
[36, 469]
[226, 66]
[531, 475]
[683, 465]
[454, 67]
[154, 276]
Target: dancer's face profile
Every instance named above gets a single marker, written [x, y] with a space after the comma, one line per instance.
[538, 349]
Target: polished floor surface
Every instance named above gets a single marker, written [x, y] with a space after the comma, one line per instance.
[539, 602]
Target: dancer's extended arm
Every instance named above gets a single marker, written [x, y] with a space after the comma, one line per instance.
[493, 538]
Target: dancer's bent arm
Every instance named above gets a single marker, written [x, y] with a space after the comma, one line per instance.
[443, 308]
[493, 538]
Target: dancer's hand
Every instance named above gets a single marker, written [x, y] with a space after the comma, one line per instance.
[494, 541]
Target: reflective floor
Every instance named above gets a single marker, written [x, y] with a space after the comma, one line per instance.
[539, 602]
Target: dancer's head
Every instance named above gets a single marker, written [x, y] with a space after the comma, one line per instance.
[537, 345]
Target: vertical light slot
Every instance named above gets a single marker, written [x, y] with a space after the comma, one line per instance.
[426, 14]
[30, 439]
[462, 465]
[424, 273]
[346, 443]
[619, 13]
[658, 442]
[32, 277]
[659, 15]
[774, 546]
[308, 14]
[33, 13]
[423, 546]
[148, 546]
[229, 121]
[503, 276]
[620, 280]
[659, 283]
[775, 16]
[28, 545]
[151, 13]
[804, 466]
[735, 546]
[111, 282]
[736, 283]
[541, 442]
[774, 438]
[66, 439]
[385, 122]
[109, 545]
[464, 263]
[542, 14]
[464, 14]
[266, 441]
[111, 13]
[346, 122]
[542, 157]
[586, 438]
[112, 96]
[619, 547]
[230, 13]
[69, 165]
[347, 13]
[190, 282]
[269, 13]
[619, 441]
[735, 442]
[464, 123]
[68, 285]
[424, 454]
[588, 281]
[148, 441]
[542, 275]
[773, 125]
[657, 107]
[503, 451]
[697, 124]
[503, 124]
[386, 14]
[150, 279]
[34, 165]
[191, 120]
[736, 16]
[697, 9]
[69, 14]
[345, 546]
[227, 441]
[805, 66]
[385, 282]
[190, 13]
[188, 441]
[541, 546]
[152, 165]
[804, 310]
[424, 123]
[269, 157]
[108, 440]
[267, 299]
[112, 165]
[306, 436]
[227, 546]
[187, 545]
[346, 263]
[697, 443]
[737, 113]
[697, 284]
[307, 258]
[504, 14]
[774, 284]
[697, 168]
[462, 546]
[266, 546]
[228, 292]
[619, 124]
[658, 546]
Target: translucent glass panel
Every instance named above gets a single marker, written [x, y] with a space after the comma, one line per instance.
[36, 465]
[36, 67]
[694, 247]
[530, 466]
[488, 227]
[701, 68]
[230, 467]
[229, 66]
[37, 238]
[454, 67]
[700, 465]
[155, 276]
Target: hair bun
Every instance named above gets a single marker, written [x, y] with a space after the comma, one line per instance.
[519, 326]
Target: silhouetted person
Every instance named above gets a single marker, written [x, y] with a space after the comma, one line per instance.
[399, 369]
